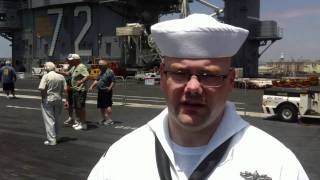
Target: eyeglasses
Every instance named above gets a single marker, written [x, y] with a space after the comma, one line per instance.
[205, 79]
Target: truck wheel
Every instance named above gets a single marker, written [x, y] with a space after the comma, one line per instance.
[288, 113]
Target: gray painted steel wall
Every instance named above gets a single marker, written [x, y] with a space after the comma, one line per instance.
[51, 29]
[46, 3]
[36, 39]
[9, 19]
[244, 13]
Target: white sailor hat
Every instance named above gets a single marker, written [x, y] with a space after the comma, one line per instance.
[73, 57]
[197, 36]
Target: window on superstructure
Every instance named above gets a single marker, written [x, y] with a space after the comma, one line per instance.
[3, 17]
[108, 49]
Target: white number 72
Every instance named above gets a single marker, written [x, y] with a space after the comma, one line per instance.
[84, 30]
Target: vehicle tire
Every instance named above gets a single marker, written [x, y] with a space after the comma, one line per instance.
[288, 113]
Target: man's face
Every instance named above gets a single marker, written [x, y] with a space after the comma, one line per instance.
[192, 104]
[76, 62]
[70, 62]
[103, 65]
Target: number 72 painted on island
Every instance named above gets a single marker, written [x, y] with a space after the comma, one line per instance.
[84, 30]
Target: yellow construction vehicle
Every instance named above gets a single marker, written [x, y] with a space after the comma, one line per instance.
[94, 69]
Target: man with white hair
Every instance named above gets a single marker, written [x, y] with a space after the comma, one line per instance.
[8, 77]
[52, 86]
[199, 135]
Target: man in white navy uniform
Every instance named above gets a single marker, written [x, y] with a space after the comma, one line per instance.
[199, 135]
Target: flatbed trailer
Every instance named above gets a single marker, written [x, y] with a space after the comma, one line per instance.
[253, 83]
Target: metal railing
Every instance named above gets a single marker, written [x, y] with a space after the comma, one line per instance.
[124, 81]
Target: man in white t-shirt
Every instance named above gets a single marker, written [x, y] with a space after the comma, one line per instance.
[199, 135]
[52, 86]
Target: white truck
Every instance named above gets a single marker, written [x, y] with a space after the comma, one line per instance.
[38, 72]
[291, 103]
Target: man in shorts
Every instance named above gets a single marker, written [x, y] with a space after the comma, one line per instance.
[79, 76]
[8, 77]
[66, 72]
[105, 83]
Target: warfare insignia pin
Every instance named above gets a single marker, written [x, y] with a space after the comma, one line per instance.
[254, 176]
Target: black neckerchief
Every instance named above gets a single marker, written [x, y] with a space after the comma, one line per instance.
[205, 168]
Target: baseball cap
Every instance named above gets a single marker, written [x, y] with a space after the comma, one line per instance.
[73, 57]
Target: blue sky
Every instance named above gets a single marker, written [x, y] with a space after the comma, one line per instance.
[5, 49]
[299, 19]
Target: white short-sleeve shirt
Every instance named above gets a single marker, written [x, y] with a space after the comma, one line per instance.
[54, 85]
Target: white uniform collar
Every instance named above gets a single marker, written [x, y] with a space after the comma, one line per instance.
[231, 124]
[159, 125]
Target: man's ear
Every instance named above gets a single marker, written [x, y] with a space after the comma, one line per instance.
[161, 69]
[232, 76]
[162, 75]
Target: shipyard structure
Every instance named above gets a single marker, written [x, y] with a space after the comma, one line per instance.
[118, 30]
